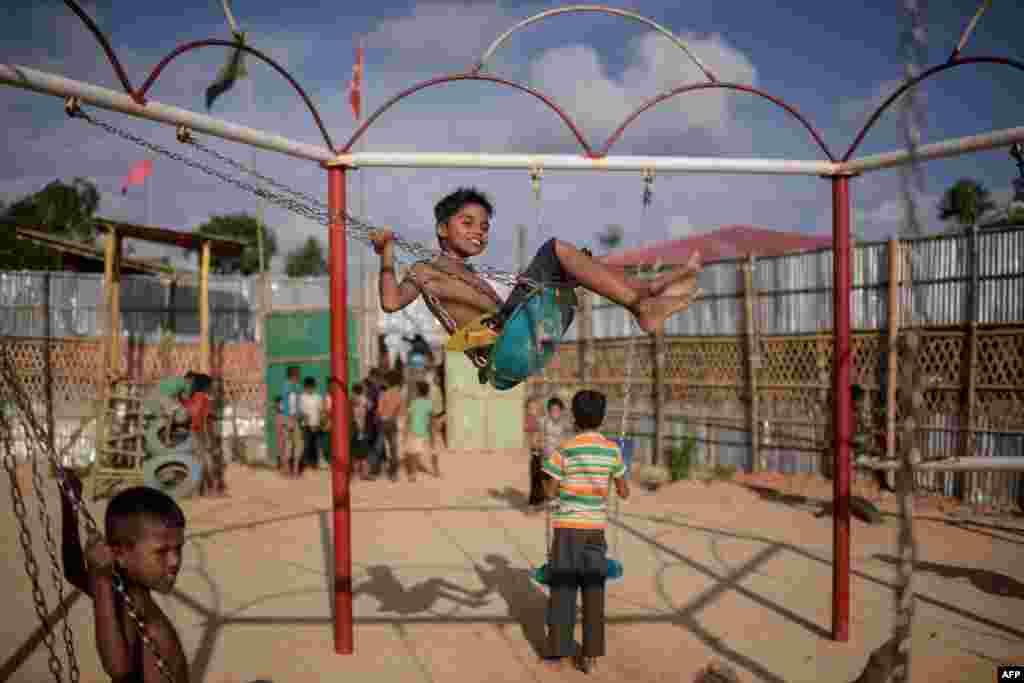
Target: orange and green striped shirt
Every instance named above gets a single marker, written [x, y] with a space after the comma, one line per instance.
[584, 467]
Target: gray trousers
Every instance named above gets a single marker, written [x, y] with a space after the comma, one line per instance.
[578, 563]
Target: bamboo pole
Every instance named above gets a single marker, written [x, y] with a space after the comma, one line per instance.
[108, 310]
[115, 303]
[970, 357]
[753, 362]
[660, 397]
[893, 351]
[204, 310]
[586, 337]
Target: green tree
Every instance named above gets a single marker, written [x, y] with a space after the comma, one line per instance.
[245, 228]
[66, 210]
[307, 260]
[965, 201]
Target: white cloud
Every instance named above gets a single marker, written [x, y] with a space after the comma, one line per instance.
[579, 80]
[460, 31]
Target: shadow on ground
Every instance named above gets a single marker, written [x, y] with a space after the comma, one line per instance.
[984, 580]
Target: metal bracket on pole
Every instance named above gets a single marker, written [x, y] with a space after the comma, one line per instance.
[184, 135]
[73, 107]
[536, 173]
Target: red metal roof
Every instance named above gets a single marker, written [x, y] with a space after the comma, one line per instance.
[734, 241]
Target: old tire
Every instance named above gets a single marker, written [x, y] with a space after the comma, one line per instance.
[177, 475]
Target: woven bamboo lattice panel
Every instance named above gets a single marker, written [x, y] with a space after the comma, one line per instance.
[78, 366]
[75, 366]
[999, 401]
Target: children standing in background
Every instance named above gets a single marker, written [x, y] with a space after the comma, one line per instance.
[311, 407]
[198, 405]
[389, 407]
[535, 444]
[417, 440]
[552, 426]
[359, 443]
[288, 458]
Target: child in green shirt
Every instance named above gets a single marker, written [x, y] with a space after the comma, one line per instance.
[417, 439]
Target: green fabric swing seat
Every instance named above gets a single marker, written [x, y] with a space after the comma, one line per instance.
[529, 337]
[540, 574]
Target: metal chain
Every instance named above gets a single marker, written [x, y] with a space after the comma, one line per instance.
[34, 431]
[25, 536]
[55, 564]
[297, 202]
[914, 42]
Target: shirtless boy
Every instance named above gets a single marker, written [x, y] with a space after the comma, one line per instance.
[463, 220]
[145, 532]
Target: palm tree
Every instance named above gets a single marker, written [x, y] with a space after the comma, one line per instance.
[965, 202]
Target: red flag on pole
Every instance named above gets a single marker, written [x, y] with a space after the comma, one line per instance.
[137, 175]
[356, 84]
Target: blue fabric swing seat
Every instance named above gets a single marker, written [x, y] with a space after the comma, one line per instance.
[540, 574]
[529, 337]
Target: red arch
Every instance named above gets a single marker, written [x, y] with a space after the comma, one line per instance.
[140, 95]
[728, 86]
[256, 53]
[470, 76]
[953, 62]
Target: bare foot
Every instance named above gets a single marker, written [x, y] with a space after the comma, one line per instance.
[664, 284]
[652, 313]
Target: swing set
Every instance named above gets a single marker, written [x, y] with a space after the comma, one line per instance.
[518, 353]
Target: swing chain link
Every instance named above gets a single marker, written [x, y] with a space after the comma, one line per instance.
[55, 564]
[25, 537]
[297, 202]
[29, 423]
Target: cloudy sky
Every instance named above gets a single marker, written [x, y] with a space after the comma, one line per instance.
[832, 61]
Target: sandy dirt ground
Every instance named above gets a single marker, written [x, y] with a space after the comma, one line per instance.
[739, 572]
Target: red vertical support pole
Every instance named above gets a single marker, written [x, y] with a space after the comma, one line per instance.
[842, 416]
[342, 518]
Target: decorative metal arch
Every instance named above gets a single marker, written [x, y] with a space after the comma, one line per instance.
[718, 85]
[471, 76]
[953, 62]
[576, 9]
[139, 96]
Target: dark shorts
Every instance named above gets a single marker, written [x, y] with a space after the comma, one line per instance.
[545, 268]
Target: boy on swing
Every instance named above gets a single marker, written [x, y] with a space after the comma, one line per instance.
[579, 474]
[463, 225]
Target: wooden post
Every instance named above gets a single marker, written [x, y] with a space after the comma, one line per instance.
[753, 363]
[585, 335]
[108, 310]
[115, 302]
[660, 396]
[895, 255]
[970, 357]
[204, 310]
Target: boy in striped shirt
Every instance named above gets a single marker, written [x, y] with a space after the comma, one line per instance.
[580, 473]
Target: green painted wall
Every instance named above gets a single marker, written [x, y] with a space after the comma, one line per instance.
[480, 418]
[301, 338]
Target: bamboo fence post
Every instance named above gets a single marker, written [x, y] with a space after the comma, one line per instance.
[753, 363]
[659, 394]
[585, 335]
[115, 304]
[893, 350]
[970, 350]
[204, 310]
[108, 309]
